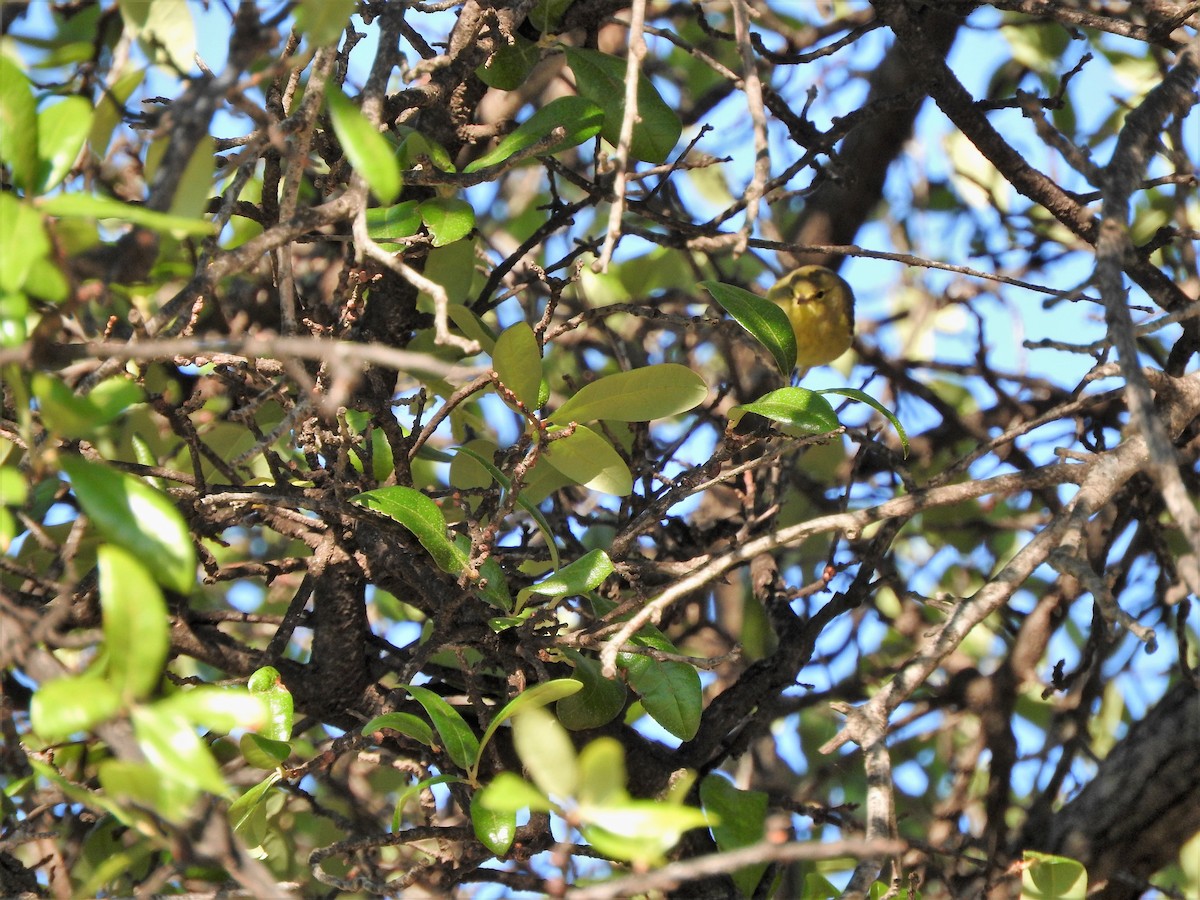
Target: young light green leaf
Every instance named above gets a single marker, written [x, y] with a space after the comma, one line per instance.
[765, 321]
[509, 792]
[267, 684]
[800, 412]
[601, 79]
[577, 117]
[638, 395]
[588, 459]
[136, 629]
[140, 784]
[460, 742]
[18, 124]
[368, 151]
[600, 701]
[65, 706]
[547, 752]
[585, 574]
[496, 830]
[421, 516]
[263, 753]
[602, 774]
[323, 21]
[861, 397]
[671, 693]
[405, 723]
[87, 206]
[517, 359]
[172, 746]
[164, 29]
[23, 243]
[212, 708]
[130, 513]
[1049, 877]
[448, 219]
[62, 129]
[240, 810]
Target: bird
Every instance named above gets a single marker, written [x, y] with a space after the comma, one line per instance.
[820, 305]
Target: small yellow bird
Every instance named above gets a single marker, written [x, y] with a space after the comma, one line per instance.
[820, 306]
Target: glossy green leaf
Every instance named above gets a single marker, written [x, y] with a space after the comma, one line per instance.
[600, 701]
[367, 150]
[585, 574]
[65, 706]
[87, 206]
[405, 723]
[765, 321]
[509, 792]
[536, 697]
[517, 359]
[263, 753]
[457, 738]
[741, 823]
[323, 21]
[578, 118]
[639, 395]
[267, 684]
[62, 129]
[421, 516]
[510, 64]
[417, 149]
[671, 693]
[1049, 877]
[394, 223]
[130, 513]
[590, 460]
[136, 628]
[862, 397]
[448, 219]
[800, 412]
[18, 124]
[601, 79]
[495, 829]
[547, 752]
[172, 746]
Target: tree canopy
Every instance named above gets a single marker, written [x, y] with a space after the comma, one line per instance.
[406, 488]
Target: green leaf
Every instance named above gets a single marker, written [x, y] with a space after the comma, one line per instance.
[172, 746]
[496, 830]
[136, 630]
[601, 79]
[585, 574]
[509, 792]
[510, 64]
[23, 242]
[393, 223]
[588, 459]
[460, 742]
[580, 119]
[639, 395]
[130, 513]
[602, 775]
[547, 752]
[600, 701]
[421, 516]
[110, 109]
[765, 321]
[241, 811]
[536, 697]
[800, 412]
[65, 706]
[652, 821]
[517, 359]
[861, 397]
[1049, 877]
[367, 150]
[142, 784]
[164, 29]
[448, 219]
[405, 723]
[18, 124]
[87, 206]
[416, 788]
[741, 823]
[323, 21]
[267, 684]
[670, 692]
[73, 415]
[213, 708]
[263, 753]
[62, 129]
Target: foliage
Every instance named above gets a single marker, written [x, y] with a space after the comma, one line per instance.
[402, 487]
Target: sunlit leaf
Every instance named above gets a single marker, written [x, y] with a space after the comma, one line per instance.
[577, 118]
[765, 321]
[639, 395]
[368, 151]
